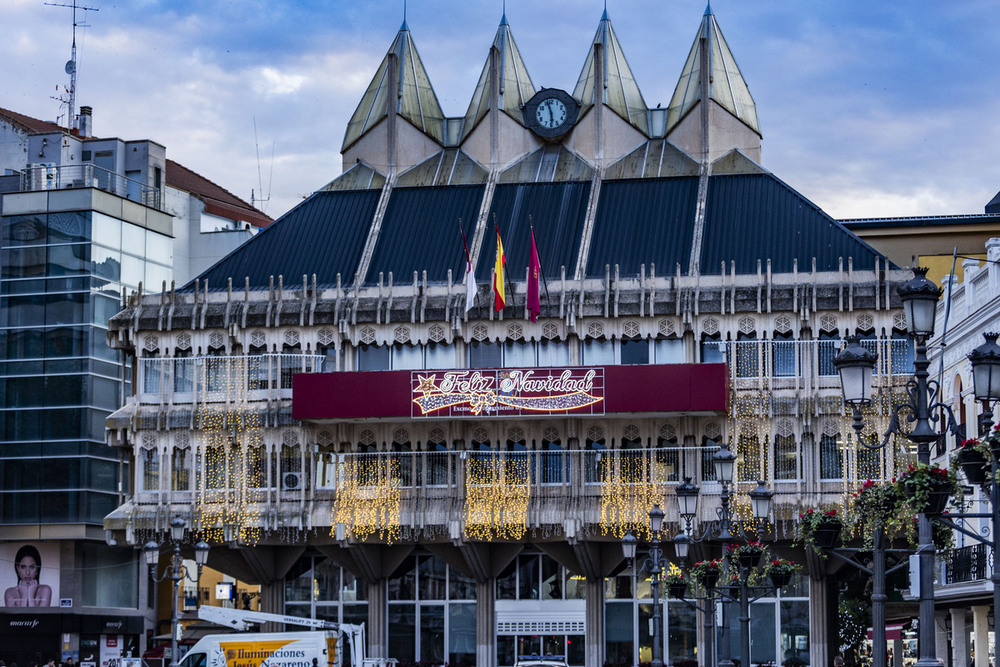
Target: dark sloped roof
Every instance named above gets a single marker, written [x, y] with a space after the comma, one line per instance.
[323, 235]
[757, 216]
[32, 125]
[994, 205]
[218, 200]
[420, 232]
[647, 221]
[557, 211]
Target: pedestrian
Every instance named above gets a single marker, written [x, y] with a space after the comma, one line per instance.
[838, 661]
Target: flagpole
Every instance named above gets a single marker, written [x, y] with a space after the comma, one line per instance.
[545, 282]
[469, 274]
[506, 274]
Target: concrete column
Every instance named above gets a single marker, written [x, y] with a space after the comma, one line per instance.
[378, 622]
[272, 601]
[980, 638]
[959, 638]
[594, 646]
[486, 622]
[819, 621]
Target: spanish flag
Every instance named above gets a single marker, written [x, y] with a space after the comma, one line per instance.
[499, 297]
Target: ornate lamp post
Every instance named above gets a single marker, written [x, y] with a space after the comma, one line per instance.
[176, 571]
[761, 502]
[655, 563]
[856, 367]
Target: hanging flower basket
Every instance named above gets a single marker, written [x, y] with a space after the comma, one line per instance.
[972, 459]
[706, 573]
[819, 528]
[927, 488]
[747, 555]
[676, 585]
[781, 571]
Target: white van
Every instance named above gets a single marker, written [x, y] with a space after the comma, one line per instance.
[269, 649]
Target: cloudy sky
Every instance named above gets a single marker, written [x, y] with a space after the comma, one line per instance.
[867, 108]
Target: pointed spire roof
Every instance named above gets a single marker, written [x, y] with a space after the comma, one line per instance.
[516, 87]
[412, 90]
[726, 84]
[621, 92]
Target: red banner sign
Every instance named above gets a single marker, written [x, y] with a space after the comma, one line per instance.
[507, 392]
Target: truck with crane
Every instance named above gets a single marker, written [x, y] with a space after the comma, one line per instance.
[328, 644]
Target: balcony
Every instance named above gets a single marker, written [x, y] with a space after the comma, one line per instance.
[50, 177]
[969, 564]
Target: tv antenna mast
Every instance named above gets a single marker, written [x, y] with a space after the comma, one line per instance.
[71, 65]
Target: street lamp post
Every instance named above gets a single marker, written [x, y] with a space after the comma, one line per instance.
[655, 563]
[176, 571]
[760, 502]
[919, 296]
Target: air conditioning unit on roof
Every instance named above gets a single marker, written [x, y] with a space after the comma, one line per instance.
[291, 481]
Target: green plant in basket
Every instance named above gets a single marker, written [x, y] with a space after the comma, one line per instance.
[927, 488]
[706, 570]
[874, 505]
[780, 566]
[818, 527]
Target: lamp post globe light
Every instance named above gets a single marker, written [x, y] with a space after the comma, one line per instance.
[176, 572]
[856, 368]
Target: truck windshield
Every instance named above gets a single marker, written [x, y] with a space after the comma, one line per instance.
[193, 660]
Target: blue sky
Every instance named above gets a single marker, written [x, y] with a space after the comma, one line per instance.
[868, 109]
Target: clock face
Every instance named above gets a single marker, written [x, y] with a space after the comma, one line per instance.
[551, 113]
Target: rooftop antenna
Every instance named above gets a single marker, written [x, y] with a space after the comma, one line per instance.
[264, 198]
[71, 65]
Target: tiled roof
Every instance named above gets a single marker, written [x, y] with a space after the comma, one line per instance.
[218, 200]
[32, 125]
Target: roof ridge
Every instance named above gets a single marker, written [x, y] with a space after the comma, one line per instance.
[229, 198]
[31, 123]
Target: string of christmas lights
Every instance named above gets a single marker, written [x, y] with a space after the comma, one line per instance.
[496, 495]
[368, 499]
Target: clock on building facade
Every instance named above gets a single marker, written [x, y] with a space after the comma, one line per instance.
[551, 113]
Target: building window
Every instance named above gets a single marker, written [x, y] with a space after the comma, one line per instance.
[150, 469]
[746, 351]
[785, 355]
[555, 462]
[180, 471]
[711, 350]
[786, 457]
[485, 354]
[667, 462]
[831, 458]
[633, 351]
[668, 351]
[373, 358]
[750, 459]
[598, 352]
[709, 448]
[827, 348]
[901, 354]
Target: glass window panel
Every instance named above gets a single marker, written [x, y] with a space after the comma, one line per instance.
[67, 260]
[552, 578]
[711, 352]
[183, 375]
[25, 392]
[327, 586]
[831, 458]
[407, 357]
[355, 614]
[439, 355]
[107, 263]
[299, 582]
[180, 470]
[22, 311]
[527, 576]
[133, 270]
[107, 231]
[634, 351]
[69, 227]
[353, 589]
[160, 248]
[66, 342]
[682, 634]
[762, 632]
[519, 354]
[112, 579]
[618, 632]
[133, 239]
[432, 633]
[529, 645]
[669, 351]
[23, 262]
[794, 637]
[432, 577]
[104, 309]
[786, 457]
[901, 354]
[576, 653]
[784, 350]
[403, 584]
[24, 230]
[64, 309]
[25, 343]
[402, 618]
[462, 635]
[63, 424]
[553, 353]
[507, 583]
[576, 586]
[750, 457]
[598, 352]
[460, 587]
[150, 469]
[506, 650]
[828, 346]
[69, 390]
[373, 358]
[746, 353]
[485, 355]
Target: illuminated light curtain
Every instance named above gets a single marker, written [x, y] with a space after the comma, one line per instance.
[229, 500]
[497, 492]
[368, 497]
[628, 492]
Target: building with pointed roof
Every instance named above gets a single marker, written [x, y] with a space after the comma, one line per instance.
[367, 442]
